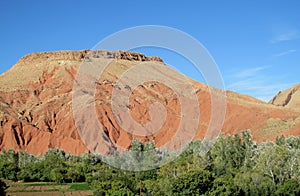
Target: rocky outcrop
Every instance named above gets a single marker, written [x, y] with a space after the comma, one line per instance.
[80, 55]
[288, 98]
[36, 111]
[123, 55]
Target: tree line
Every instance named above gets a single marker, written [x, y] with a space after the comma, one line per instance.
[231, 165]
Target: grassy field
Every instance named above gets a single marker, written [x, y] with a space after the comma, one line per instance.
[27, 189]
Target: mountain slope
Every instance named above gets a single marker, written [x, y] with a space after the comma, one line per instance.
[36, 111]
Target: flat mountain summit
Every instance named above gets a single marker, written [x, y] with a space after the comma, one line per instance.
[36, 111]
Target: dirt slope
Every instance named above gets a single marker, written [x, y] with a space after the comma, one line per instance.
[36, 111]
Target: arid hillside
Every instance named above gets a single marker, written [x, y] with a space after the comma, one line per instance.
[37, 112]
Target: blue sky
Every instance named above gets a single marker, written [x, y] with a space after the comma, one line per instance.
[256, 44]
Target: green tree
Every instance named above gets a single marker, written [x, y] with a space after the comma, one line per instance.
[58, 175]
[278, 162]
[224, 185]
[8, 171]
[293, 142]
[251, 183]
[33, 172]
[202, 154]
[228, 155]
[289, 187]
[280, 141]
[9, 165]
[193, 182]
[157, 187]
[75, 174]
[250, 150]
[24, 159]
[113, 188]
[54, 166]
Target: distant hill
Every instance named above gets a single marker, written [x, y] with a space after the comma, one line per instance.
[288, 98]
[36, 105]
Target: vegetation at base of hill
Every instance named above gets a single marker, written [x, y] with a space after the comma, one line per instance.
[232, 165]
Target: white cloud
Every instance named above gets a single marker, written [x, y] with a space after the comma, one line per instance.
[249, 72]
[258, 89]
[285, 53]
[291, 35]
[257, 83]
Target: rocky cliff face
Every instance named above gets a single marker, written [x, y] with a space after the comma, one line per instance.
[288, 98]
[36, 111]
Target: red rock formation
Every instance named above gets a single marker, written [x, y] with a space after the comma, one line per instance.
[36, 111]
[288, 98]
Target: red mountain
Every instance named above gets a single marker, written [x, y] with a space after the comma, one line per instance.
[37, 112]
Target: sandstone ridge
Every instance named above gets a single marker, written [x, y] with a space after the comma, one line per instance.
[79, 55]
[288, 98]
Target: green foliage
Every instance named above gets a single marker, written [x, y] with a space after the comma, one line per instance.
[224, 185]
[143, 155]
[9, 165]
[232, 165]
[289, 187]
[79, 187]
[279, 163]
[251, 183]
[112, 188]
[33, 172]
[161, 186]
[194, 182]
[75, 174]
